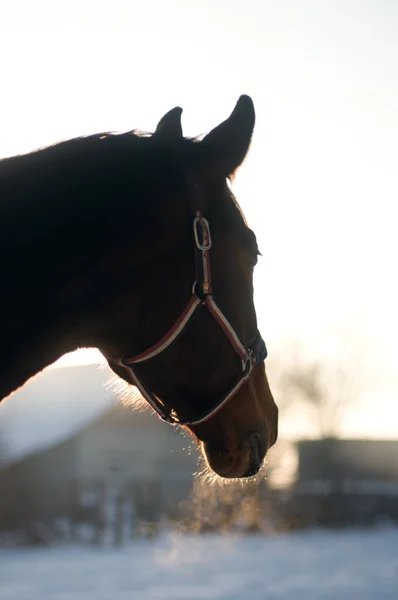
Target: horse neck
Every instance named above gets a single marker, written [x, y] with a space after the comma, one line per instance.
[55, 229]
[71, 217]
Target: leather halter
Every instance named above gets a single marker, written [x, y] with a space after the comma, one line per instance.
[202, 296]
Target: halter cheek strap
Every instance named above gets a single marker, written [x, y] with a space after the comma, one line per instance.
[202, 296]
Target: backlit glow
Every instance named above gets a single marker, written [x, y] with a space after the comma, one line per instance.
[320, 184]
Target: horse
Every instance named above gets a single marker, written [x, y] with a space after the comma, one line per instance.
[133, 243]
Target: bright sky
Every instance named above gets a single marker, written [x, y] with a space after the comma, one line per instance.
[320, 184]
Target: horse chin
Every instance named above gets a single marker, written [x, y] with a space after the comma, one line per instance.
[245, 462]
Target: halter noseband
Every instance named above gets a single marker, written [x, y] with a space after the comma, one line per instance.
[202, 295]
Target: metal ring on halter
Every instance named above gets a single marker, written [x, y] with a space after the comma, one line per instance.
[247, 363]
[204, 224]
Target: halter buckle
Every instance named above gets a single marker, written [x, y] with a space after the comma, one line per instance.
[200, 224]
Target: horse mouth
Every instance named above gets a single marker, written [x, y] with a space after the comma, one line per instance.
[244, 463]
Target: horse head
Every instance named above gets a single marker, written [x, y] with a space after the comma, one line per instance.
[186, 334]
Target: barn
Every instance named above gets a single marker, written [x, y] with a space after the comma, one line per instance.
[72, 452]
[345, 482]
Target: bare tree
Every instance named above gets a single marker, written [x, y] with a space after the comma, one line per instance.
[324, 377]
[326, 389]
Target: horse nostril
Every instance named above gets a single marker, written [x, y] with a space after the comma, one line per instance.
[258, 446]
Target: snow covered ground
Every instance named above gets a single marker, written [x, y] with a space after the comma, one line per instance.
[353, 565]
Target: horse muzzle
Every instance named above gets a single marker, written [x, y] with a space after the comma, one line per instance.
[246, 461]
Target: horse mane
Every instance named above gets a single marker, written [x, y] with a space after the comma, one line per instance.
[104, 164]
[91, 150]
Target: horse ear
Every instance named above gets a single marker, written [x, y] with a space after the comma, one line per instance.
[226, 146]
[170, 124]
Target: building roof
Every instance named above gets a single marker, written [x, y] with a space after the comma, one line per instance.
[52, 407]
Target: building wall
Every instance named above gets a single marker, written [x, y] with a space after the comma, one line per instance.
[137, 457]
[134, 454]
[135, 445]
[348, 459]
[39, 486]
